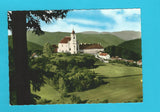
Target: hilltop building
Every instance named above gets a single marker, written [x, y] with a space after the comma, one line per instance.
[69, 44]
[90, 48]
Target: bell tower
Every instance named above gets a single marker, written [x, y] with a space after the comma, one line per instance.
[74, 43]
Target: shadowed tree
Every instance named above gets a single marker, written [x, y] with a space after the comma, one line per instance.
[19, 22]
[47, 50]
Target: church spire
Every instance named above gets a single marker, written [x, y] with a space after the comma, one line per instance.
[73, 32]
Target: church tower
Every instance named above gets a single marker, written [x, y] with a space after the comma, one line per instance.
[73, 43]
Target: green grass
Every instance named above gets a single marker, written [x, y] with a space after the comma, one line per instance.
[117, 70]
[123, 84]
[55, 37]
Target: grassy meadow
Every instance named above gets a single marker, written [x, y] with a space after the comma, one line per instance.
[123, 84]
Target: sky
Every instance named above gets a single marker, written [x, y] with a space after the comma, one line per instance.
[103, 20]
[106, 20]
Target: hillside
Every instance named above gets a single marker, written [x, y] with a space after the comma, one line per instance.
[55, 37]
[133, 45]
[124, 35]
[31, 46]
[127, 35]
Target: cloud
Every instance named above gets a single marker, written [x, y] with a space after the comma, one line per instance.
[84, 21]
[64, 26]
[121, 23]
[124, 19]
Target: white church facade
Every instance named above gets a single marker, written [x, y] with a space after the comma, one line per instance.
[69, 44]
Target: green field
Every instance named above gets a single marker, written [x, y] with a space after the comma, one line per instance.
[123, 84]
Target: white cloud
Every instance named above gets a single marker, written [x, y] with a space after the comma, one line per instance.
[84, 21]
[119, 16]
[64, 26]
[128, 12]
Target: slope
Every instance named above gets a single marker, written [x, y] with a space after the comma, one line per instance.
[133, 45]
[55, 37]
[31, 46]
[124, 35]
[127, 35]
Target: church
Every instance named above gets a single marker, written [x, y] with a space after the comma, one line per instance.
[69, 44]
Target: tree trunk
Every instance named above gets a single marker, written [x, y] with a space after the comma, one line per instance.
[23, 94]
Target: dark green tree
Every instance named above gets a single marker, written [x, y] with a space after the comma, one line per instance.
[47, 50]
[19, 22]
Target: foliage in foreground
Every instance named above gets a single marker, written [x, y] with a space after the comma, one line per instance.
[65, 72]
[68, 75]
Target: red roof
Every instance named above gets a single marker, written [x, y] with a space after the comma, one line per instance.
[103, 54]
[65, 40]
[90, 46]
[33, 54]
[140, 61]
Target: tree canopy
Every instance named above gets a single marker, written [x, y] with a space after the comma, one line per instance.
[33, 18]
[19, 22]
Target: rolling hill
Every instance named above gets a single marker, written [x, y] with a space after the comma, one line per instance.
[127, 35]
[133, 45]
[31, 46]
[55, 37]
[36, 42]
[124, 35]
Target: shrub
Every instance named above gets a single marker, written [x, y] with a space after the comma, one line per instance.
[75, 99]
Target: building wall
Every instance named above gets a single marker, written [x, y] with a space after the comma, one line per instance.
[90, 51]
[105, 57]
[63, 47]
[73, 44]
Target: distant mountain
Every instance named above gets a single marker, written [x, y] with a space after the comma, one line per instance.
[133, 45]
[90, 32]
[125, 35]
[55, 37]
[128, 35]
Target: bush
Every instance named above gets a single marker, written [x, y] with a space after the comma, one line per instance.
[105, 101]
[83, 80]
[75, 99]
